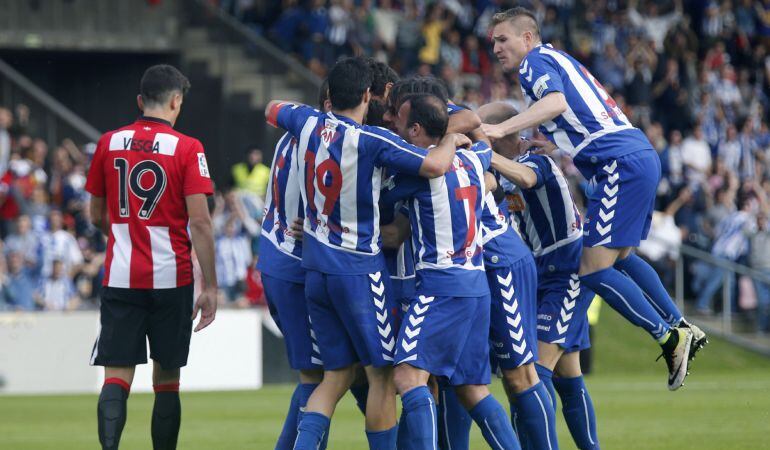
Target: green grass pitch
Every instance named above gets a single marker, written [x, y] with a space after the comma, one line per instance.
[725, 404]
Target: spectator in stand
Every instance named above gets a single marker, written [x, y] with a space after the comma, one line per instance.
[661, 248]
[696, 155]
[451, 54]
[57, 292]
[6, 122]
[20, 284]
[736, 157]
[610, 67]
[654, 25]
[59, 244]
[408, 38]
[732, 243]
[475, 59]
[431, 34]
[233, 257]
[24, 242]
[252, 175]
[759, 259]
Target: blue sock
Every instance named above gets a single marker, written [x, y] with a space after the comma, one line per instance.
[311, 432]
[538, 417]
[289, 431]
[382, 440]
[403, 440]
[495, 427]
[625, 297]
[420, 417]
[546, 376]
[360, 392]
[578, 411]
[518, 426]
[454, 424]
[648, 280]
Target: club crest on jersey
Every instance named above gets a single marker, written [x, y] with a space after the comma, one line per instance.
[328, 133]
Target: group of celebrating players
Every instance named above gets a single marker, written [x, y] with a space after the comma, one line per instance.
[415, 246]
[411, 247]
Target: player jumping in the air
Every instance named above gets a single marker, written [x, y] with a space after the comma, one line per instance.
[445, 330]
[147, 183]
[577, 114]
[541, 207]
[341, 164]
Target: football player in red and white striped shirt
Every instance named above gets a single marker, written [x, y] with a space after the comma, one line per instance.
[148, 182]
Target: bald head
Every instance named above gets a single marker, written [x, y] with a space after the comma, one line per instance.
[496, 112]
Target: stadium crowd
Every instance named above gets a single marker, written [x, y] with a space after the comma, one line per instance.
[695, 76]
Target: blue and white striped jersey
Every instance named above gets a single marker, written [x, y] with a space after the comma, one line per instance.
[732, 235]
[545, 215]
[502, 244]
[281, 255]
[341, 165]
[400, 262]
[445, 215]
[593, 128]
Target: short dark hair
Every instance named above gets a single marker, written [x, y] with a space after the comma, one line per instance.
[160, 81]
[515, 14]
[416, 85]
[323, 94]
[382, 74]
[429, 111]
[348, 81]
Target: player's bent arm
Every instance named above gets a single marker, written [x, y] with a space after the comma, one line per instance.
[272, 108]
[541, 111]
[463, 122]
[98, 211]
[490, 182]
[202, 236]
[518, 173]
[439, 159]
[395, 233]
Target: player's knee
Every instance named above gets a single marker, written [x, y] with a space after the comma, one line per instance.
[521, 378]
[471, 394]
[407, 378]
[569, 366]
[312, 376]
[164, 376]
[339, 380]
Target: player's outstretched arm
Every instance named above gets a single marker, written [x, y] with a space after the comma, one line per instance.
[518, 173]
[98, 211]
[541, 111]
[202, 235]
[440, 158]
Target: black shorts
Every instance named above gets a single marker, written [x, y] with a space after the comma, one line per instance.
[131, 316]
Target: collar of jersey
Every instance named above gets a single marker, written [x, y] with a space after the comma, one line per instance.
[154, 119]
[341, 118]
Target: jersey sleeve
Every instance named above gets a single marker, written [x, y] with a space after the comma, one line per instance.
[289, 116]
[197, 179]
[451, 108]
[399, 188]
[394, 152]
[95, 183]
[540, 165]
[484, 154]
[539, 76]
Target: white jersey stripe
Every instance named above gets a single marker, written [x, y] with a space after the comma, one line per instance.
[376, 181]
[349, 192]
[120, 267]
[442, 216]
[163, 258]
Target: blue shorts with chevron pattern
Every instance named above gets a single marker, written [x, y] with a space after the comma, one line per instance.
[513, 315]
[288, 307]
[619, 210]
[562, 306]
[353, 318]
[447, 336]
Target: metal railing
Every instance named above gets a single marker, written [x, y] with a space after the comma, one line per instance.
[725, 322]
[52, 120]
